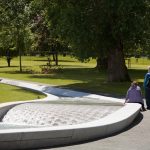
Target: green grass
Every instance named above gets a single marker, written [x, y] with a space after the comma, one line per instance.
[11, 93]
[75, 75]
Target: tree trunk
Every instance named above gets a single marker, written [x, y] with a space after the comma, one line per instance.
[19, 40]
[8, 61]
[20, 61]
[56, 60]
[117, 70]
[102, 63]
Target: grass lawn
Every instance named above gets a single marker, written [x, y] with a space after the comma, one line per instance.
[12, 93]
[74, 74]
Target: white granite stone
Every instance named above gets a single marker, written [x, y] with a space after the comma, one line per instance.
[32, 135]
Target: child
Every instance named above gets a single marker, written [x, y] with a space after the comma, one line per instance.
[134, 95]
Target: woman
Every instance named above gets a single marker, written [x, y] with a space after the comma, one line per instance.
[134, 95]
[147, 88]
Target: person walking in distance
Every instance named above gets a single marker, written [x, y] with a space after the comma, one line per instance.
[147, 88]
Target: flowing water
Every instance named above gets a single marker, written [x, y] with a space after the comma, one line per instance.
[56, 113]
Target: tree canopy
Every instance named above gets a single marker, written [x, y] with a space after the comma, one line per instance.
[103, 28]
[14, 20]
[106, 30]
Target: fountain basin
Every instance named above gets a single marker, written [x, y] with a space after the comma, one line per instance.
[36, 136]
[65, 111]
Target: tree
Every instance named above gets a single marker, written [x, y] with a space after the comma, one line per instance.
[7, 48]
[102, 29]
[46, 43]
[15, 18]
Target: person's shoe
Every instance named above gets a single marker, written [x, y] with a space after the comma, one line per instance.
[144, 109]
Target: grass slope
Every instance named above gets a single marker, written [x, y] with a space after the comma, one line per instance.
[74, 74]
[12, 93]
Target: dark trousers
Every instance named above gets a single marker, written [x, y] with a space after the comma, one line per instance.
[147, 97]
[143, 108]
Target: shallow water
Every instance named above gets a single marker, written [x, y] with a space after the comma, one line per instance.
[57, 113]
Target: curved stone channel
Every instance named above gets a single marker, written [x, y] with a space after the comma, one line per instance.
[73, 120]
[56, 114]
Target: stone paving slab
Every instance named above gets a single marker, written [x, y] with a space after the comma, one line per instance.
[135, 137]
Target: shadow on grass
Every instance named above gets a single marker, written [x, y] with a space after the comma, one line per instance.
[80, 74]
[100, 88]
[45, 60]
[16, 72]
[135, 73]
[8, 67]
[85, 79]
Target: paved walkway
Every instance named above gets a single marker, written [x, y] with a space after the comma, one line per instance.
[135, 137]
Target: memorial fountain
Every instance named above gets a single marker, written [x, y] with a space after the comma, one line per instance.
[63, 117]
